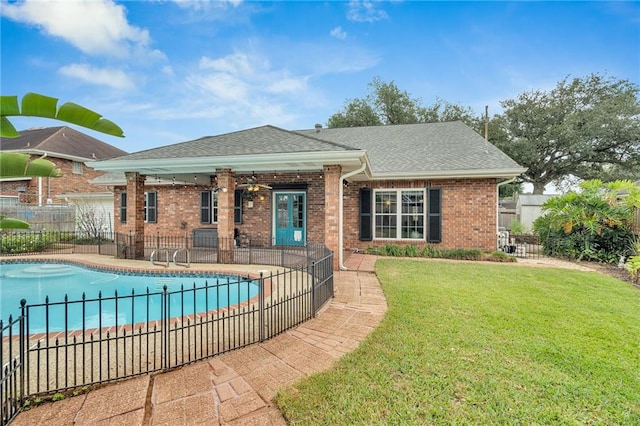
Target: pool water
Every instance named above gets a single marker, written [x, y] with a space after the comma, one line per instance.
[139, 296]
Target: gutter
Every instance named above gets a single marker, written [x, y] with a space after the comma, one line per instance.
[341, 214]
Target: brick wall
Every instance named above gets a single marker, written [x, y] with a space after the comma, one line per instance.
[468, 212]
[179, 207]
[468, 209]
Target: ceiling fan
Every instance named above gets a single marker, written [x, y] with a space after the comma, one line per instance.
[252, 185]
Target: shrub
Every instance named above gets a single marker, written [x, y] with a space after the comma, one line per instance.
[430, 251]
[516, 227]
[23, 243]
[462, 254]
[595, 224]
[411, 251]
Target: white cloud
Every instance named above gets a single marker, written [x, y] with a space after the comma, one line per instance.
[96, 27]
[224, 87]
[288, 85]
[237, 63]
[243, 88]
[338, 33]
[106, 77]
[200, 5]
[365, 11]
[167, 70]
[243, 78]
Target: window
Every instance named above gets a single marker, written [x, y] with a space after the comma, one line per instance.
[123, 207]
[150, 206]
[208, 207]
[77, 168]
[399, 214]
[237, 206]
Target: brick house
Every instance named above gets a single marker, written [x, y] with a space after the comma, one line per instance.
[71, 151]
[350, 188]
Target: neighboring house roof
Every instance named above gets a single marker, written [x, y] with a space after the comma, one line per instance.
[61, 142]
[428, 150]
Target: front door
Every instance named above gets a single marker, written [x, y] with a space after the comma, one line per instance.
[290, 219]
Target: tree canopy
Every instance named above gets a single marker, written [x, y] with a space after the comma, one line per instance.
[386, 104]
[586, 127]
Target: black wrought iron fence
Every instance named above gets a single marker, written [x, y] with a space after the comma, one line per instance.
[186, 248]
[523, 246]
[61, 345]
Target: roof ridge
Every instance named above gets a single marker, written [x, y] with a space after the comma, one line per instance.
[297, 132]
[386, 125]
[57, 131]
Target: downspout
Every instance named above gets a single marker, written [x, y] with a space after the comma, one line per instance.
[39, 191]
[341, 214]
[506, 182]
[40, 184]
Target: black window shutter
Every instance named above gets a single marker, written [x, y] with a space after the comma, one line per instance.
[237, 206]
[152, 206]
[123, 207]
[434, 215]
[205, 206]
[365, 220]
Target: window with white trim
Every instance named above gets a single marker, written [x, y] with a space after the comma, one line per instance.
[208, 207]
[76, 168]
[399, 214]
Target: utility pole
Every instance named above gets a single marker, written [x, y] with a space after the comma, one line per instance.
[486, 123]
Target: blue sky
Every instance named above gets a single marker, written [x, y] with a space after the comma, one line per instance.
[171, 71]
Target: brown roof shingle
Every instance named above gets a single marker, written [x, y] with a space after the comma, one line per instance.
[61, 140]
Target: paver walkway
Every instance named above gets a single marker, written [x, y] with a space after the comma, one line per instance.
[235, 388]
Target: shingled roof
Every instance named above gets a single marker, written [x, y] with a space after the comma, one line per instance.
[61, 141]
[256, 141]
[426, 148]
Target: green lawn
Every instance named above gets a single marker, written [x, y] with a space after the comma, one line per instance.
[467, 343]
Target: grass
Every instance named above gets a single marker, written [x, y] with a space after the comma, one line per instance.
[468, 343]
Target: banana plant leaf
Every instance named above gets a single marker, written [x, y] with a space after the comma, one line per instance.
[36, 105]
[10, 223]
[15, 164]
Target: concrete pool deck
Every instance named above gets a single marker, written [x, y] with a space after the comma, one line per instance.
[238, 387]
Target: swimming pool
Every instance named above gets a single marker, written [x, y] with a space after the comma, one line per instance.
[91, 301]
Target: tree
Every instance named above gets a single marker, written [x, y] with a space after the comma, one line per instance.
[91, 219]
[14, 164]
[587, 127]
[386, 104]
